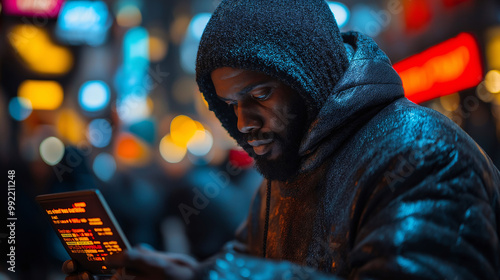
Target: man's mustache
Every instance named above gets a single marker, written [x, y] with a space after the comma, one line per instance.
[259, 136]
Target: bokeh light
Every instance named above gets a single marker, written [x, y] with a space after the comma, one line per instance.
[20, 108]
[136, 49]
[450, 102]
[133, 108]
[94, 96]
[43, 95]
[182, 129]
[492, 81]
[99, 133]
[189, 46]
[131, 150]
[104, 166]
[52, 150]
[171, 151]
[363, 19]
[35, 47]
[83, 22]
[417, 14]
[158, 48]
[198, 24]
[341, 13]
[129, 15]
[201, 143]
[46, 9]
[238, 157]
[493, 47]
[178, 28]
[70, 126]
[144, 129]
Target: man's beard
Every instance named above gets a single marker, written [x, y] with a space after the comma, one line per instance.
[286, 166]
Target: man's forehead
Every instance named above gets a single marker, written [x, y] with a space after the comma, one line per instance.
[225, 73]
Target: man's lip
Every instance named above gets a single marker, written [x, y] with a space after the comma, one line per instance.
[256, 143]
[262, 149]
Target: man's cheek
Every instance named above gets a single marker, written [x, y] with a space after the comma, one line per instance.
[280, 123]
[285, 118]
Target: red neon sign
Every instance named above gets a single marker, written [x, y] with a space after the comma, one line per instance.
[451, 66]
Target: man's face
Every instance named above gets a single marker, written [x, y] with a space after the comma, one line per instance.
[271, 116]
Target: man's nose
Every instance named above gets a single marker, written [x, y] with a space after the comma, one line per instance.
[248, 119]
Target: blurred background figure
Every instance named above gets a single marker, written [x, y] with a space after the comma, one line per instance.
[102, 94]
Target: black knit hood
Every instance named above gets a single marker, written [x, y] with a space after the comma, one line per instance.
[298, 43]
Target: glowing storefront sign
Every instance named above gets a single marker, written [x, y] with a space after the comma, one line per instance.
[451, 66]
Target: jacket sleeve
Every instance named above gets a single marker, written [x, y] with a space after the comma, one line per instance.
[430, 213]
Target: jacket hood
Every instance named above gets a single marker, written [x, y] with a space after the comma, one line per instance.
[368, 85]
[344, 79]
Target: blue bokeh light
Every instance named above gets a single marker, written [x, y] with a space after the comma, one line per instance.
[341, 13]
[104, 166]
[94, 96]
[20, 108]
[144, 129]
[198, 24]
[136, 50]
[83, 22]
[369, 20]
[99, 133]
[189, 46]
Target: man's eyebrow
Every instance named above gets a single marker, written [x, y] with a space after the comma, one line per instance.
[246, 90]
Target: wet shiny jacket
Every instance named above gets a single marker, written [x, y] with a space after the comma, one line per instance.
[387, 190]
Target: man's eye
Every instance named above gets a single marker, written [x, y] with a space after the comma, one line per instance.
[262, 95]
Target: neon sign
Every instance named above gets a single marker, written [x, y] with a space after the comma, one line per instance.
[446, 68]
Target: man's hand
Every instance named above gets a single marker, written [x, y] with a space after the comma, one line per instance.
[69, 267]
[142, 263]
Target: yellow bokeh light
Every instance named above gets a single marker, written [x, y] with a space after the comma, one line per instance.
[43, 95]
[171, 151]
[178, 28]
[36, 49]
[157, 48]
[71, 126]
[450, 102]
[493, 47]
[203, 99]
[182, 129]
[497, 100]
[129, 16]
[199, 126]
[492, 81]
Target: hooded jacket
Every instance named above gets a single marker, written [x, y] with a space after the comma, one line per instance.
[386, 189]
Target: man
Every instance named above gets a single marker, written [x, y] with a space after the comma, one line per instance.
[361, 183]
